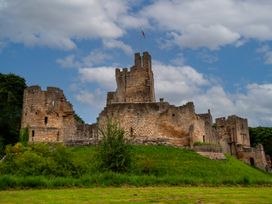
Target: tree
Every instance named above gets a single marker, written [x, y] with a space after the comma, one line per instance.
[11, 100]
[114, 152]
[262, 135]
[79, 119]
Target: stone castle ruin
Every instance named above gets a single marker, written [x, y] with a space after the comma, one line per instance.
[50, 118]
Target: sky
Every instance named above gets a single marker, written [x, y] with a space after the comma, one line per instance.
[217, 54]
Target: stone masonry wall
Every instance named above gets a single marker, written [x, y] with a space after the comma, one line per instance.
[156, 122]
[210, 134]
[232, 131]
[253, 156]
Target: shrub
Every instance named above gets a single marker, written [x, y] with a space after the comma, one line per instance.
[41, 159]
[114, 153]
[23, 137]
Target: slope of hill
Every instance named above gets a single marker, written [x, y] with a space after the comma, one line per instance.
[152, 165]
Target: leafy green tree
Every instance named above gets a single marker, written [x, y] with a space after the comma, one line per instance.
[11, 100]
[114, 152]
[79, 119]
[262, 135]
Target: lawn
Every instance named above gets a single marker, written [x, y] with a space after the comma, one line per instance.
[141, 195]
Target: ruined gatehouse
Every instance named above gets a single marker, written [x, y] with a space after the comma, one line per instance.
[49, 117]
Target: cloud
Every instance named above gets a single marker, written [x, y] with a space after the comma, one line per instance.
[111, 43]
[256, 104]
[58, 23]
[103, 76]
[68, 62]
[212, 37]
[178, 60]
[212, 23]
[193, 24]
[175, 83]
[2, 45]
[207, 57]
[96, 99]
[95, 57]
[267, 53]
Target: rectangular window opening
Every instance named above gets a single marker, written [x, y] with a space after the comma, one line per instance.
[45, 120]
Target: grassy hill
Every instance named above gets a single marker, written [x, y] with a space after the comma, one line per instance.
[152, 165]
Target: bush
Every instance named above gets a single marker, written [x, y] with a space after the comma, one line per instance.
[41, 159]
[23, 137]
[114, 153]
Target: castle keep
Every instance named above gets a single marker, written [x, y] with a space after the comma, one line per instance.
[49, 117]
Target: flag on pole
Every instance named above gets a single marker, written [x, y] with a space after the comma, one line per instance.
[143, 34]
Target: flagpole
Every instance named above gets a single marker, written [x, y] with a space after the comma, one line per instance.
[142, 37]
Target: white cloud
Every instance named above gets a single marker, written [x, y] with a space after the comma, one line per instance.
[212, 36]
[207, 57]
[103, 76]
[96, 99]
[212, 23]
[267, 53]
[111, 43]
[193, 24]
[58, 23]
[68, 62]
[95, 57]
[175, 83]
[178, 60]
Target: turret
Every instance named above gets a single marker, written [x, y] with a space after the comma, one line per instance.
[146, 61]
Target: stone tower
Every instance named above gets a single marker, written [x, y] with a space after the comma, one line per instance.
[135, 85]
[232, 131]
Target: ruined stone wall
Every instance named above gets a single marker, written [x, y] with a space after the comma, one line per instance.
[50, 117]
[210, 134]
[136, 84]
[156, 122]
[231, 132]
[253, 156]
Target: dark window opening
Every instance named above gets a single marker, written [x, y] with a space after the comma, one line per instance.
[204, 138]
[36, 113]
[131, 132]
[252, 162]
[58, 136]
[173, 114]
[45, 120]
[33, 134]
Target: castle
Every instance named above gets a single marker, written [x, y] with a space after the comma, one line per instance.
[49, 117]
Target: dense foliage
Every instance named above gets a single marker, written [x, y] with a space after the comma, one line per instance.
[11, 100]
[262, 135]
[114, 153]
[40, 159]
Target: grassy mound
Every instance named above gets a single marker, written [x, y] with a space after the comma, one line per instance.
[152, 165]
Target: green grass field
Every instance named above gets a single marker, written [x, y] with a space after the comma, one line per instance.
[141, 195]
[151, 166]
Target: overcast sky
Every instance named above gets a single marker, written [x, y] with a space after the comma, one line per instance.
[217, 54]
